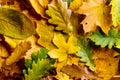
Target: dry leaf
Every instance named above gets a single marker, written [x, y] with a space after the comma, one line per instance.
[46, 33]
[40, 6]
[18, 52]
[78, 71]
[75, 4]
[106, 64]
[97, 14]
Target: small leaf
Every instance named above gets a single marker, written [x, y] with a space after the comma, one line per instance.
[60, 15]
[15, 24]
[110, 40]
[39, 69]
[85, 53]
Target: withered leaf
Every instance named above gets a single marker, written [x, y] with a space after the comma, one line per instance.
[106, 64]
[78, 72]
[18, 52]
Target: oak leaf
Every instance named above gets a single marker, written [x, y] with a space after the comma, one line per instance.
[85, 53]
[97, 14]
[106, 63]
[59, 15]
[46, 33]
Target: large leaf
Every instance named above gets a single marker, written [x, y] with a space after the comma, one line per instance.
[97, 14]
[15, 24]
[115, 11]
[60, 15]
[85, 53]
[106, 63]
[113, 38]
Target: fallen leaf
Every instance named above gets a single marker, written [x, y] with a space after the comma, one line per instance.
[46, 33]
[78, 71]
[40, 6]
[85, 53]
[106, 63]
[62, 76]
[97, 14]
[64, 47]
[110, 40]
[115, 12]
[65, 50]
[75, 4]
[59, 15]
[15, 24]
[18, 53]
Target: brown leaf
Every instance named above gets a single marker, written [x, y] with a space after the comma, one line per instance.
[18, 52]
[97, 14]
[78, 72]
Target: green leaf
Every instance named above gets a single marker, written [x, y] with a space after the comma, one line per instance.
[39, 66]
[115, 11]
[39, 70]
[85, 53]
[15, 24]
[113, 38]
[28, 63]
[41, 54]
[60, 15]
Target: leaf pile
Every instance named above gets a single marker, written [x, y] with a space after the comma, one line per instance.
[59, 39]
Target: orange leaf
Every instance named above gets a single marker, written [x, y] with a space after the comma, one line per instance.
[106, 64]
[97, 14]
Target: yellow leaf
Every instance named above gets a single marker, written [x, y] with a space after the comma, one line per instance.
[34, 46]
[97, 14]
[106, 63]
[44, 3]
[46, 33]
[12, 42]
[75, 4]
[72, 41]
[65, 50]
[59, 15]
[62, 76]
[18, 52]
[40, 6]
[3, 51]
[60, 41]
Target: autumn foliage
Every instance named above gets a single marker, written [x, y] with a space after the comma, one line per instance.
[59, 39]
